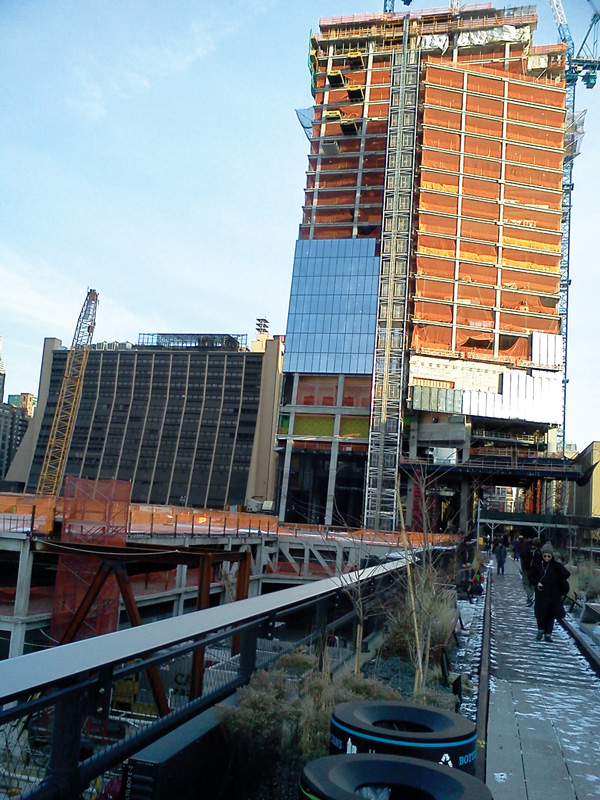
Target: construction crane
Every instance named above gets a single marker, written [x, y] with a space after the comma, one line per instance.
[587, 55]
[585, 63]
[61, 432]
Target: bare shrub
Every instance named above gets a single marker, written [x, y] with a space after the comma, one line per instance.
[435, 612]
[585, 579]
[283, 716]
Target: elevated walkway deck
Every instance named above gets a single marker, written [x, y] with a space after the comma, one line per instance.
[543, 733]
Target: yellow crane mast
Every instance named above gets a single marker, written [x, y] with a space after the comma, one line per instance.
[59, 441]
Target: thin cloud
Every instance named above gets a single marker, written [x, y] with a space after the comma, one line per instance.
[42, 299]
[138, 69]
[93, 102]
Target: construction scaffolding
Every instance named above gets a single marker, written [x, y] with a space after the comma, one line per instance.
[94, 513]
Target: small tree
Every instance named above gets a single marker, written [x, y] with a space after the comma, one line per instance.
[425, 606]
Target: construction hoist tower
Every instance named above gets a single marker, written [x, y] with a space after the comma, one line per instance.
[390, 368]
[61, 432]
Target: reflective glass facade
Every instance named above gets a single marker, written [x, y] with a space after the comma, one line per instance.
[333, 306]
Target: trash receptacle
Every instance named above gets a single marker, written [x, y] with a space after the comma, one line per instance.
[405, 729]
[386, 777]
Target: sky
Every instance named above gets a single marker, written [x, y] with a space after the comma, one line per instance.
[151, 150]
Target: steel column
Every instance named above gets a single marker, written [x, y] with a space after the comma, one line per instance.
[133, 614]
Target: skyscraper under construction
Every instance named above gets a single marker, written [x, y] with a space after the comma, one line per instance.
[425, 346]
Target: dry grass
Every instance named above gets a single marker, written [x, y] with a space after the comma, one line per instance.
[435, 608]
[585, 579]
[284, 715]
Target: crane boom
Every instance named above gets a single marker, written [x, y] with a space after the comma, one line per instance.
[563, 26]
[61, 432]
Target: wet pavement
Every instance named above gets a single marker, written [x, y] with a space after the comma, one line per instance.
[543, 733]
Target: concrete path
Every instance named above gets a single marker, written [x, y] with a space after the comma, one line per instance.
[543, 734]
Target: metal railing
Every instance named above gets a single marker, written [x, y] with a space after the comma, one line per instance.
[70, 715]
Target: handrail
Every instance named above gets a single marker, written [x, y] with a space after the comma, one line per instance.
[222, 645]
[36, 671]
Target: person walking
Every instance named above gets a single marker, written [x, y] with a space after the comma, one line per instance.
[500, 551]
[515, 549]
[526, 559]
[550, 579]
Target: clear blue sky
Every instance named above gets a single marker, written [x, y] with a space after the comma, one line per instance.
[150, 150]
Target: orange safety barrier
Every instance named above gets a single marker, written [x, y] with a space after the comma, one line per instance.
[94, 512]
[439, 181]
[33, 512]
[477, 273]
[474, 229]
[445, 203]
[479, 252]
[520, 322]
[547, 137]
[532, 281]
[436, 267]
[532, 196]
[478, 295]
[474, 317]
[438, 290]
[513, 348]
[431, 335]
[445, 72]
[529, 302]
[532, 239]
[481, 167]
[467, 340]
[437, 224]
[436, 159]
[475, 187]
[435, 245]
[544, 262]
[437, 312]
[40, 599]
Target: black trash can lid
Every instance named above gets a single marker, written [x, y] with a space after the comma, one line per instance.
[397, 721]
[339, 778]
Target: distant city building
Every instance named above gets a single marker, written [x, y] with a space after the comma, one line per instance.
[24, 400]
[498, 498]
[187, 418]
[13, 424]
[2, 374]
[584, 499]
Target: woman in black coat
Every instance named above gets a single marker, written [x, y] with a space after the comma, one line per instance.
[549, 577]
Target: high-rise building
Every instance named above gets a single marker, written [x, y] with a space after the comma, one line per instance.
[187, 418]
[13, 424]
[2, 374]
[426, 331]
[24, 400]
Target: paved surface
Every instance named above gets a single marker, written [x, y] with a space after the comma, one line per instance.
[543, 735]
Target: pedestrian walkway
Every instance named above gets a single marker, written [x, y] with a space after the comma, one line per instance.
[543, 734]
